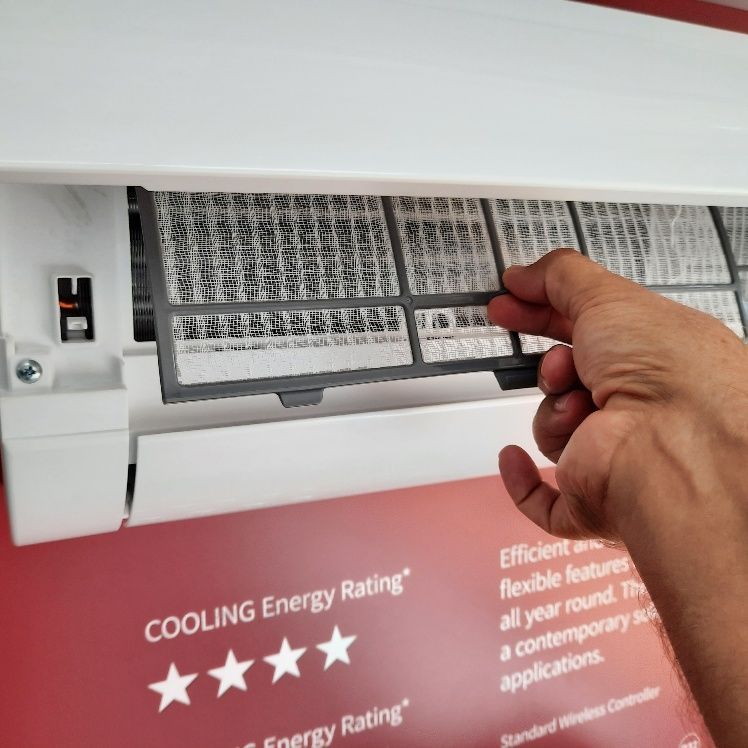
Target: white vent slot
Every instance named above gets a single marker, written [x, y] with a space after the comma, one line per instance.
[460, 333]
[736, 225]
[213, 348]
[744, 285]
[235, 247]
[528, 229]
[445, 244]
[720, 304]
[666, 245]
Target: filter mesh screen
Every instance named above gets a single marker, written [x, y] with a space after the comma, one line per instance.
[736, 225]
[446, 246]
[655, 244]
[460, 333]
[535, 343]
[528, 229]
[213, 348]
[720, 304]
[233, 247]
[274, 256]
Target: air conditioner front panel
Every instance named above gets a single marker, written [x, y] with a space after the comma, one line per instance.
[474, 98]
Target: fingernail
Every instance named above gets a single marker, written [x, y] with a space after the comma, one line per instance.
[562, 403]
[511, 270]
[542, 366]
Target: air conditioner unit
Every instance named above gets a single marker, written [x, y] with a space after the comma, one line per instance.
[209, 219]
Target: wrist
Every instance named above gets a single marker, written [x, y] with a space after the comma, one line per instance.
[682, 511]
[685, 456]
[681, 470]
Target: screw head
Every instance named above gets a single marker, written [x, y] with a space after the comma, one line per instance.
[29, 371]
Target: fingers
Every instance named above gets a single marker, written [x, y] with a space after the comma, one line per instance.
[566, 406]
[562, 279]
[557, 373]
[557, 419]
[512, 313]
[537, 500]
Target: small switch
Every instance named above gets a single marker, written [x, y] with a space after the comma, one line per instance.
[75, 304]
[76, 324]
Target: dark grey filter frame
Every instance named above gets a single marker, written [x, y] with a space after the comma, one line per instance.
[512, 372]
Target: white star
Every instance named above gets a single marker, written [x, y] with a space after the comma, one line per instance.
[285, 661]
[231, 674]
[173, 688]
[337, 648]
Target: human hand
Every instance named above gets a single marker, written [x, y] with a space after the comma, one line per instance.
[647, 391]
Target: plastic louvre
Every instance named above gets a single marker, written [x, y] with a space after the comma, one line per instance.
[446, 245]
[655, 245]
[735, 221]
[142, 304]
[459, 333]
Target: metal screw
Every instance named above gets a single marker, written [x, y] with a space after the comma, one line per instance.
[29, 371]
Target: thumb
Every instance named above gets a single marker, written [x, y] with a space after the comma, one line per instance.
[565, 280]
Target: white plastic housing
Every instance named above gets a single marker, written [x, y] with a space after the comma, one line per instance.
[437, 97]
[525, 99]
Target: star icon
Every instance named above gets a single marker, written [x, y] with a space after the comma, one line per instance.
[173, 688]
[337, 648]
[285, 661]
[231, 675]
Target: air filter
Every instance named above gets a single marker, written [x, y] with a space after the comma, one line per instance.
[655, 245]
[526, 230]
[446, 246]
[736, 228]
[459, 333]
[720, 304]
[259, 293]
